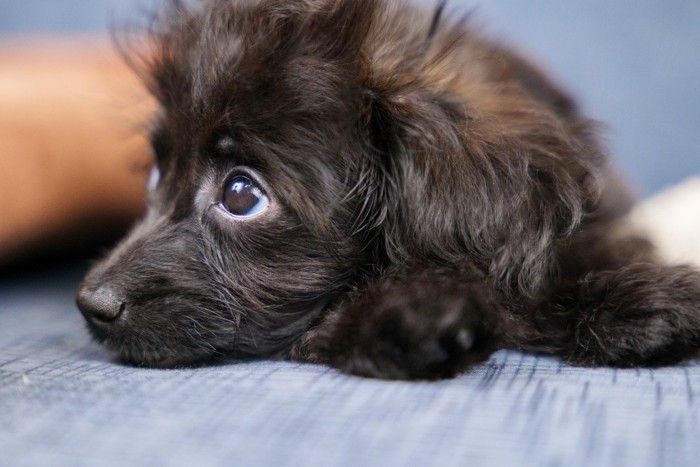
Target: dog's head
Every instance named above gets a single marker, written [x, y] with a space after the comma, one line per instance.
[304, 145]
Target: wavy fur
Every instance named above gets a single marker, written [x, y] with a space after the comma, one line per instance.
[435, 197]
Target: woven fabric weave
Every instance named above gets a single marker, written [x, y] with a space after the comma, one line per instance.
[65, 401]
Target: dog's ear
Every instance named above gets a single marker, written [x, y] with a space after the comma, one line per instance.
[340, 28]
[413, 141]
[494, 175]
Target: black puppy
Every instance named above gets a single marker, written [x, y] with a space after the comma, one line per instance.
[360, 184]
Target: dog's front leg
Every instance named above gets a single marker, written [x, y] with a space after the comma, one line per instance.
[422, 324]
[641, 314]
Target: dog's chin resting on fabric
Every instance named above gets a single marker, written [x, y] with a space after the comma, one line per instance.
[377, 188]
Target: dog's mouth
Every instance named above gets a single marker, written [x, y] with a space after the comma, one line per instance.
[134, 352]
[140, 346]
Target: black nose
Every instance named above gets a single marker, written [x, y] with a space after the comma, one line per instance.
[102, 304]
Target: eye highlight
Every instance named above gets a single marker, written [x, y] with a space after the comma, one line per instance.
[243, 198]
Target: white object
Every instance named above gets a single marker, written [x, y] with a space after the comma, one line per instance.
[671, 220]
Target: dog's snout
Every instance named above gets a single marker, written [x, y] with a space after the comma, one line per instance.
[102, 304]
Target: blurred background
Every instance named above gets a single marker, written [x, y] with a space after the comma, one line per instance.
[633, 65]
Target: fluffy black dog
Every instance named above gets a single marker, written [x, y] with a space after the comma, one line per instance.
[360, 184]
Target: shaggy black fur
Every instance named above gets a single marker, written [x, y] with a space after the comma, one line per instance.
[433, 197]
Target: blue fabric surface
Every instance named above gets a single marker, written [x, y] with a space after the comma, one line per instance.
[64, 401]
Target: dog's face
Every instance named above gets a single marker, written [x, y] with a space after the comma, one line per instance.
[249, 230]
[302, 146]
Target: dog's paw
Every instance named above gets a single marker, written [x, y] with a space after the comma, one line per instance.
[419, 340]
[640, 315]
[411, 329]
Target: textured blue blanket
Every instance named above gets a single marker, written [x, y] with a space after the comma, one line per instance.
[64, 401]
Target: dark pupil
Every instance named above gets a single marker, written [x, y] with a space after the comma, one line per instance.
[241, 196]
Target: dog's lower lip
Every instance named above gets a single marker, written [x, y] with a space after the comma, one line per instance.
[100, 332]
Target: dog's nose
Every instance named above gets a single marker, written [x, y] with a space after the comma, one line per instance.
[102, 304]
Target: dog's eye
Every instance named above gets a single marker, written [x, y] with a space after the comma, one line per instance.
[243, 198]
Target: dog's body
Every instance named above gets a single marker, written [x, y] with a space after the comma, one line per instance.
[354, 183]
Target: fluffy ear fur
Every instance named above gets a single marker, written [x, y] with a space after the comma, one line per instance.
[492, 170]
